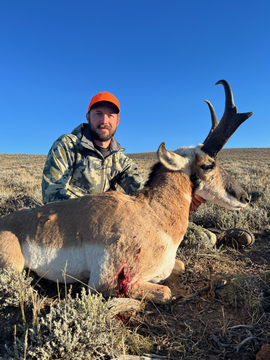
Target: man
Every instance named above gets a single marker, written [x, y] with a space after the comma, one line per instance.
[90, 160]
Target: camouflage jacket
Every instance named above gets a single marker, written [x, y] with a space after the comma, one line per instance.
[74, 167]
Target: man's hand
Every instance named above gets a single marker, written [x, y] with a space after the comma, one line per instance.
[196, 201]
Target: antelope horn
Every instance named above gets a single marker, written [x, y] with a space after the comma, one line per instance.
[228, 124]
[213, 118]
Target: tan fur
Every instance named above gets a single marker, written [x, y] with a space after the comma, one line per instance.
[125, 245]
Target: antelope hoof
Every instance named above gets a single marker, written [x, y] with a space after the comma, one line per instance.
[179, 266]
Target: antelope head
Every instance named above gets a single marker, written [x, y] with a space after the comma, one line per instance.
[210, 181]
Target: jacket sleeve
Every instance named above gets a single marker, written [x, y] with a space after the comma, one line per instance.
[58, 171]
[130, 179]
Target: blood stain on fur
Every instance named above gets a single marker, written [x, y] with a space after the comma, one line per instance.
[123, 281]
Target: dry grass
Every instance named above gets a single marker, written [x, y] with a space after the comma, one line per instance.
[207, 319]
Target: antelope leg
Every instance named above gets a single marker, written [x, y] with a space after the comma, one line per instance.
[159, 294]
[11, 253]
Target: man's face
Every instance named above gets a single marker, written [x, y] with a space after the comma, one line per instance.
[103, 121]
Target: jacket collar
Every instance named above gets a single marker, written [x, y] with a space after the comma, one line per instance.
[87, 142]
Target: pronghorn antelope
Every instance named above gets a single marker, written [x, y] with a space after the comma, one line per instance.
[126, 245]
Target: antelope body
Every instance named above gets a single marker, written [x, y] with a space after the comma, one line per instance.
[126, 245]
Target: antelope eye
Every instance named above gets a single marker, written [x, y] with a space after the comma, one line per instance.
[207, 167]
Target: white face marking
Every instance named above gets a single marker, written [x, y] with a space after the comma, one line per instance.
[188, 154]
[213, 190]
[186, 151]
[220, 198]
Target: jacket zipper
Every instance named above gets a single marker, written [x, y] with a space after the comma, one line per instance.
[102, 177]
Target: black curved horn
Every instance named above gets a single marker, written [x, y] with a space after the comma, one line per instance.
[228, 124]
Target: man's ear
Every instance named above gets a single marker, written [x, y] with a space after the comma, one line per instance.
[88, 117]
[118, 120]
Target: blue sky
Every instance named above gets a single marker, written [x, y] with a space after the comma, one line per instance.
[161, 59]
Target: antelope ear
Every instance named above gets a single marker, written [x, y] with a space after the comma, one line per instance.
[171, 160]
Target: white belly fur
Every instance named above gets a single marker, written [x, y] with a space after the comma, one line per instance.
[168, 263]
[87, 262]
[50, 263]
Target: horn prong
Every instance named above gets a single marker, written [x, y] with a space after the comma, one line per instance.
[228, 124]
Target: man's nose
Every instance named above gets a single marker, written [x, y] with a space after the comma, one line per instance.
[105, 118]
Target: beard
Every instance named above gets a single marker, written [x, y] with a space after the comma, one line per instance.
[96, 134]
